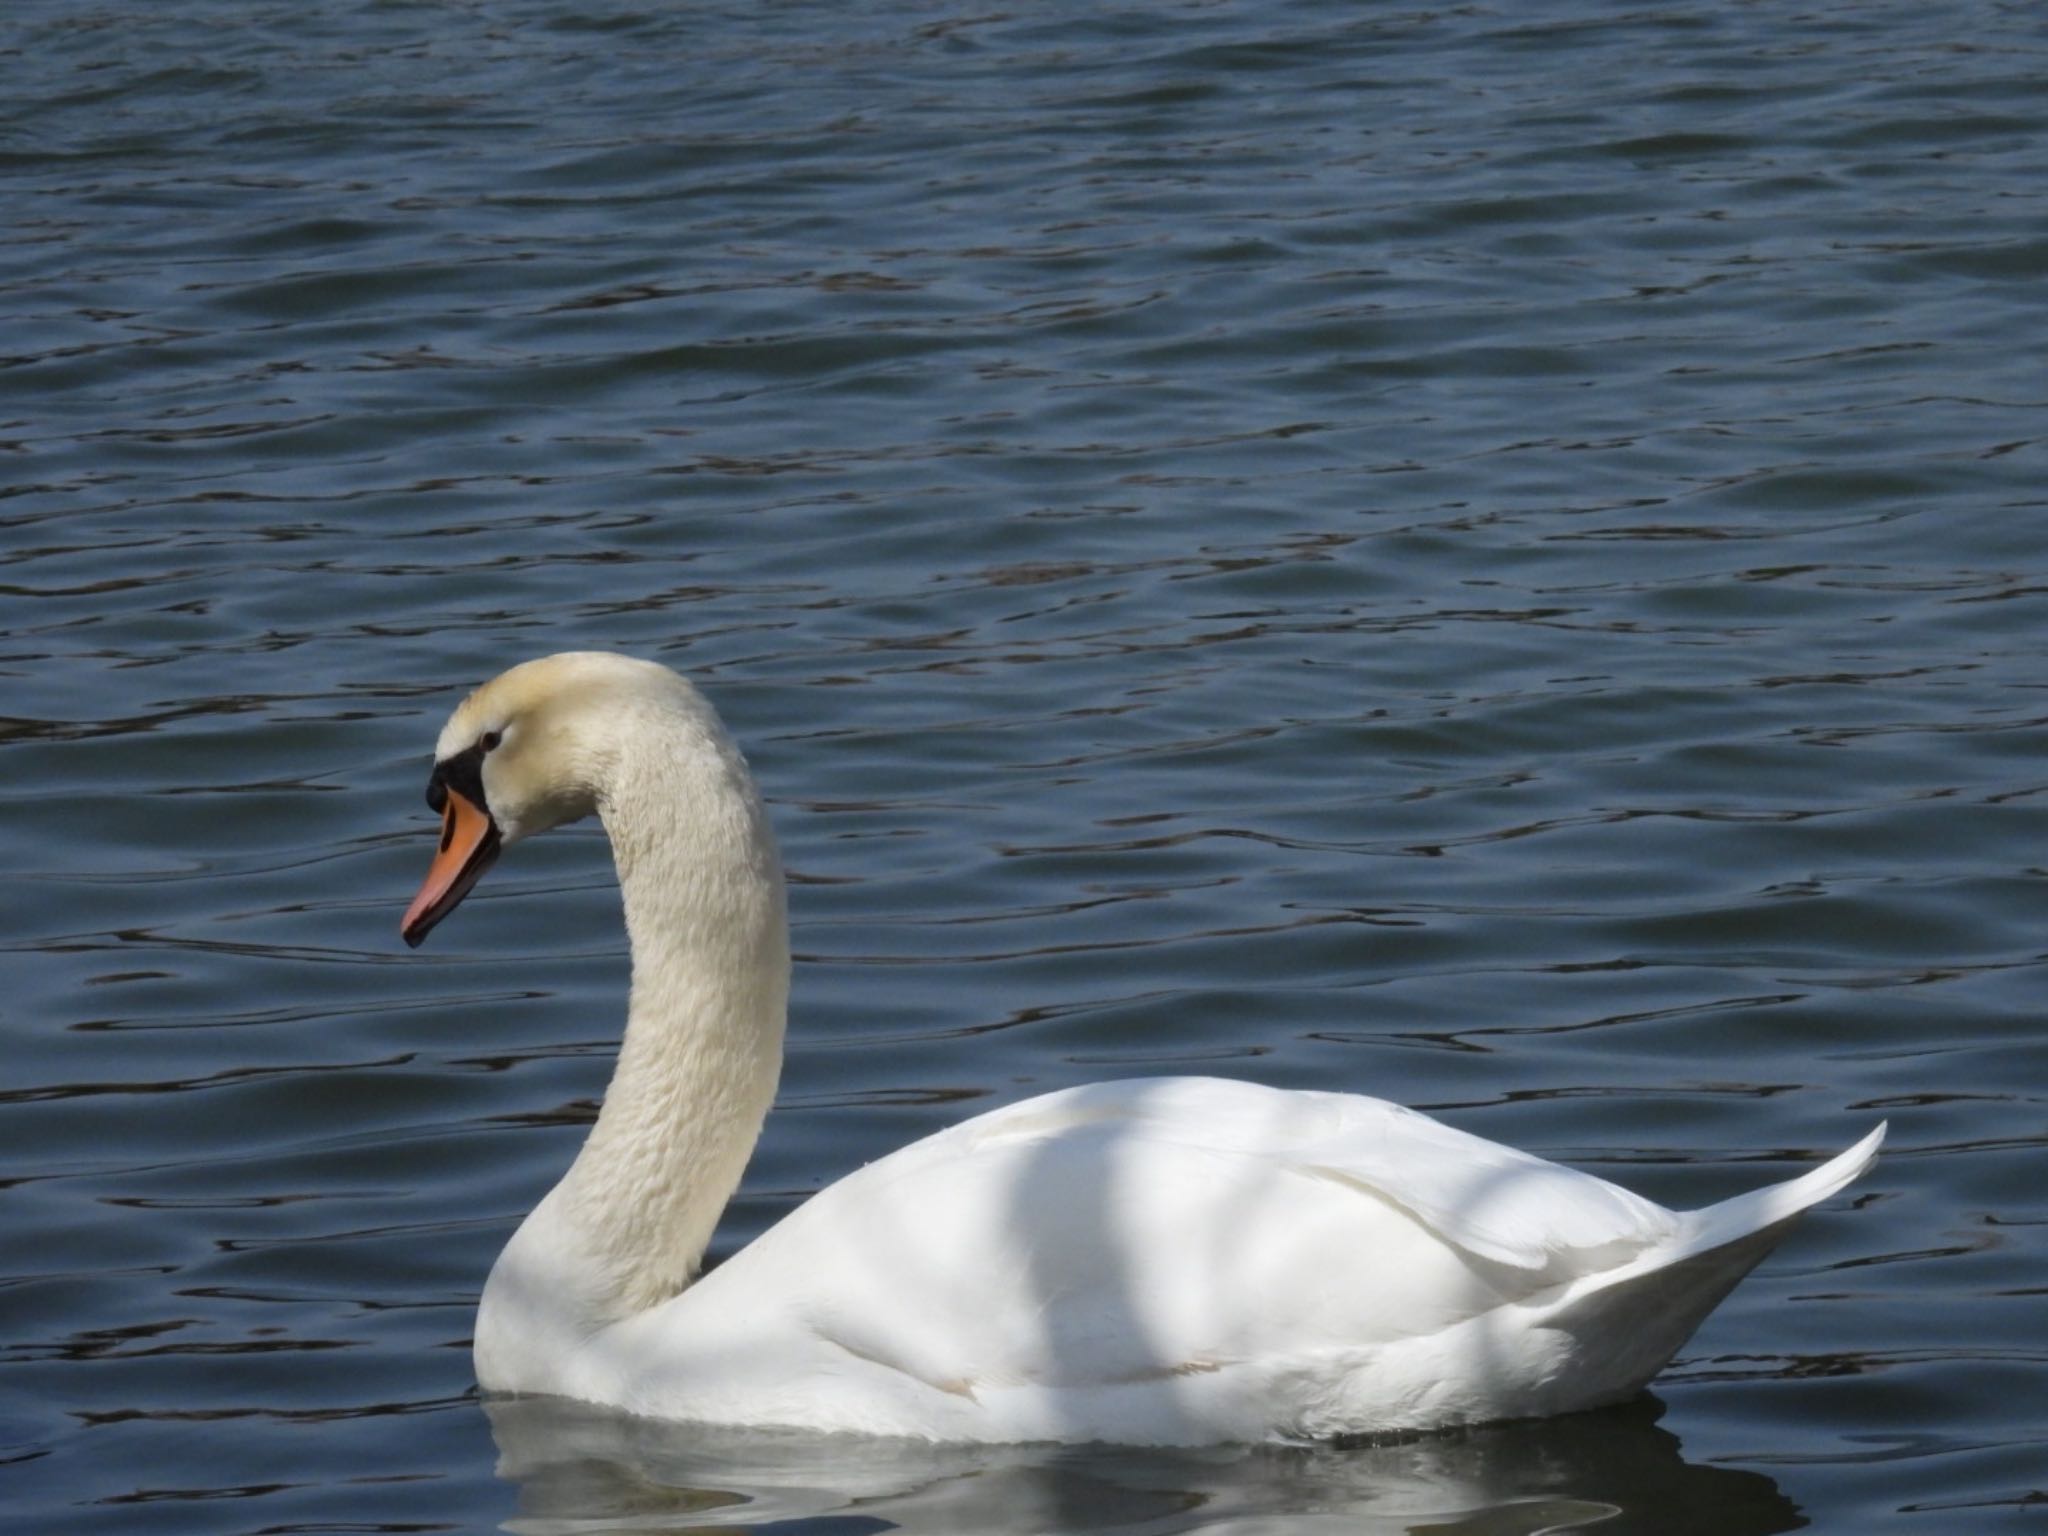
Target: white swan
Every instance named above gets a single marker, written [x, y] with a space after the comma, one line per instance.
[1169, 1261]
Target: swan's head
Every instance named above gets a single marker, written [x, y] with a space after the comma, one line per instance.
[529, 750]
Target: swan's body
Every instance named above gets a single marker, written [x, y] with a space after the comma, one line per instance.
[1178, 1260]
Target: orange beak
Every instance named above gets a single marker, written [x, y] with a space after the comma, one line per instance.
[469, 846]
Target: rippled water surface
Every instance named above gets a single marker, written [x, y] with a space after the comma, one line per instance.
[1492, 556]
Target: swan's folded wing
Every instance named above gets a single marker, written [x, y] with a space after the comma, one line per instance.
[1492, 1201]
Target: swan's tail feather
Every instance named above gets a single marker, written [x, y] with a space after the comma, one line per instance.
[1630, 1321]
[1775, 1204]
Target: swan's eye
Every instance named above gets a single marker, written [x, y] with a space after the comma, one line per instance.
[489, 741]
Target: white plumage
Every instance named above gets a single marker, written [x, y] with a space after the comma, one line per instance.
[1166, 1261]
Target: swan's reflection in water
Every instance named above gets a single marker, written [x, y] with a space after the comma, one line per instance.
[584, 1470]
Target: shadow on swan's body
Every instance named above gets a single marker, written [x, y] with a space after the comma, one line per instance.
[1162, 1261]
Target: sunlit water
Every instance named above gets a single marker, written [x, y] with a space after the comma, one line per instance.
[1487, 556]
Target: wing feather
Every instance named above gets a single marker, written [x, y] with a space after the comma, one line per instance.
[1492, 1201]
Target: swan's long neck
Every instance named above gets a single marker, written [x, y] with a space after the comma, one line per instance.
[627, 1226]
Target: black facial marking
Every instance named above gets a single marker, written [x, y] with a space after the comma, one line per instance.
[463, 773]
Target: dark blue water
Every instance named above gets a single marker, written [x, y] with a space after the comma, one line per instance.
[1488, 556]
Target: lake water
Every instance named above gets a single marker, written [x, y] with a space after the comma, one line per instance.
[1491, 556]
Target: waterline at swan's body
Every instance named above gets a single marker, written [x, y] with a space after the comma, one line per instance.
[1178, 1260]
